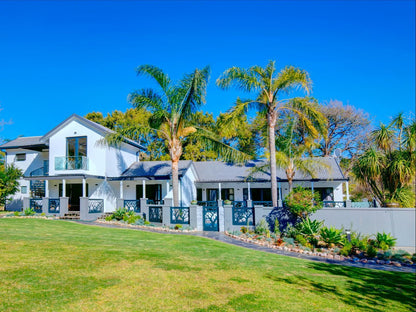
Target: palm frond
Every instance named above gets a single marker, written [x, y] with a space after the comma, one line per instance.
[383, 137]
[146, 98]
[240, 78]
[225, 152]
[156, 73]
[240, 108]
[292, 78]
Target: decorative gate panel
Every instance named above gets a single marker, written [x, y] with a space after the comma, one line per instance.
[155, 214]
[210, 218]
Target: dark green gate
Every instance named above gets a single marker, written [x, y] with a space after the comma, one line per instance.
[210, 217]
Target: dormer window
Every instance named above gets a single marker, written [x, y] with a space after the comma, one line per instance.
[21, 157]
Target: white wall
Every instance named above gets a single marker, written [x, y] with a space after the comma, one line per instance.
[119, 159]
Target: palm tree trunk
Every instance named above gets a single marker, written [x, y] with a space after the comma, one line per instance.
[175, 155]
[175, 182]
[271, 119]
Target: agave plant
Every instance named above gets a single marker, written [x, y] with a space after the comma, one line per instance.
[332, 236]
[309, 229]
[385, 241]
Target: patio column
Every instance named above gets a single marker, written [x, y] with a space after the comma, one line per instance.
[280, 201]
[46, 188]
[84, 187]
[249, 191]
[347, 190]
[144, 189]
[312, 187]
[63, 188]
[167, 187]
[121, 189]
[219, 191]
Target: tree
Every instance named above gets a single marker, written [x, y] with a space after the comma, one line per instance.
[348, 129]
[172, 107]
[9, 183]
[270, 86]
[388, 167]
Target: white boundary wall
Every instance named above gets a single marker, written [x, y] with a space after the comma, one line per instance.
[399, 222]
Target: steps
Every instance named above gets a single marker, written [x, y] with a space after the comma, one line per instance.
[73, 215]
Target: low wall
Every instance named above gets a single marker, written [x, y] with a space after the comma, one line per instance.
[399, 222]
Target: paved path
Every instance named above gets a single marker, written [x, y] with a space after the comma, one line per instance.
[228, 240]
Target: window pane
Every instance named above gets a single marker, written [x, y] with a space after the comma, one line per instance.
[20, 157]
[70, 147]
[82, 146]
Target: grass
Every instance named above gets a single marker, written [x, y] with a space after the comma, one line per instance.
[51, 265]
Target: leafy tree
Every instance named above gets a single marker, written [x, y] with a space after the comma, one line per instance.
[348, 130]
[9, 184]
[388, 167]
[302, 202]
[270, 86]
[172, 107]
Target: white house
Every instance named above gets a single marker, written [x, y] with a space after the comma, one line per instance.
[70, 167]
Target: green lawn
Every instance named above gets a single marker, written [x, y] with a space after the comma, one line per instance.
[51, 265]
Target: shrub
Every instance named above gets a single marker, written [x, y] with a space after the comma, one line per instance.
[310, 230]
[146, 222]
[289, 241]
[178, 226]
[109, 218]
[43, 214]
[400, 255]
[290, 231]
[276, 227]
[119, 214]
[385, 241]
[371, 251]
[244, 229]
[302, 241]
[302, 202]
[16, 213]
[29, 212]
[346, 249]
[262, 227]
[139, 222]
[331, 236]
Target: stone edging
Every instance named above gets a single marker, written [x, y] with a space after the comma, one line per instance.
[146, 227]
[320, 254]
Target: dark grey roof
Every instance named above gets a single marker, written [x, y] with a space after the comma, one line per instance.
[25, 143]
[217, 171]
[154, 169]
[97, 127]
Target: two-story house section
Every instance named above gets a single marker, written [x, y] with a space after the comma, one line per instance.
[72, 161]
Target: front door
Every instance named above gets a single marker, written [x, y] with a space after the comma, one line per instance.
[73, 192]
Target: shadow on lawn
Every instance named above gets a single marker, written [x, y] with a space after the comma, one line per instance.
[364, 288]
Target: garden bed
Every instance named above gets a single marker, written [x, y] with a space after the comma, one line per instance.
[328, 253]
[149, 226]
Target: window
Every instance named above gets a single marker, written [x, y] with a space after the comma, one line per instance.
[23, 189]
[258, 194]
[199, 194]
[21, 157]
[226, 194]
[76, 146]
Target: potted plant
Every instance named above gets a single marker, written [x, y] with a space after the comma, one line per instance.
[194, 202]
[227, 202]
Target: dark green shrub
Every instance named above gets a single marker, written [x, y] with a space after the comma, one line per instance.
[371, 251]
[385, 241]
[331, 236]
[301, 202]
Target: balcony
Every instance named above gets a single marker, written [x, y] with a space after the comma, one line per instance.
[71, 163]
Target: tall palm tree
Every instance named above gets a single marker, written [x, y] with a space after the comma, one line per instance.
[270, 86]
[172, 106]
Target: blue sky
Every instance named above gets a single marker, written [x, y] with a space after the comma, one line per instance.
[62, 57]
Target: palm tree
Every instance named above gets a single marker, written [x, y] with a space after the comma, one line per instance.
[270, 85]
[388, 168]
[172, 107]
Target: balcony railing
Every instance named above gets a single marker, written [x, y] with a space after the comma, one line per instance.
[71, 163]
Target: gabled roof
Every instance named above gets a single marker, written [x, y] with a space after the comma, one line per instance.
[30, 143]
[218, 171]
[154, 169]
[90, 124]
